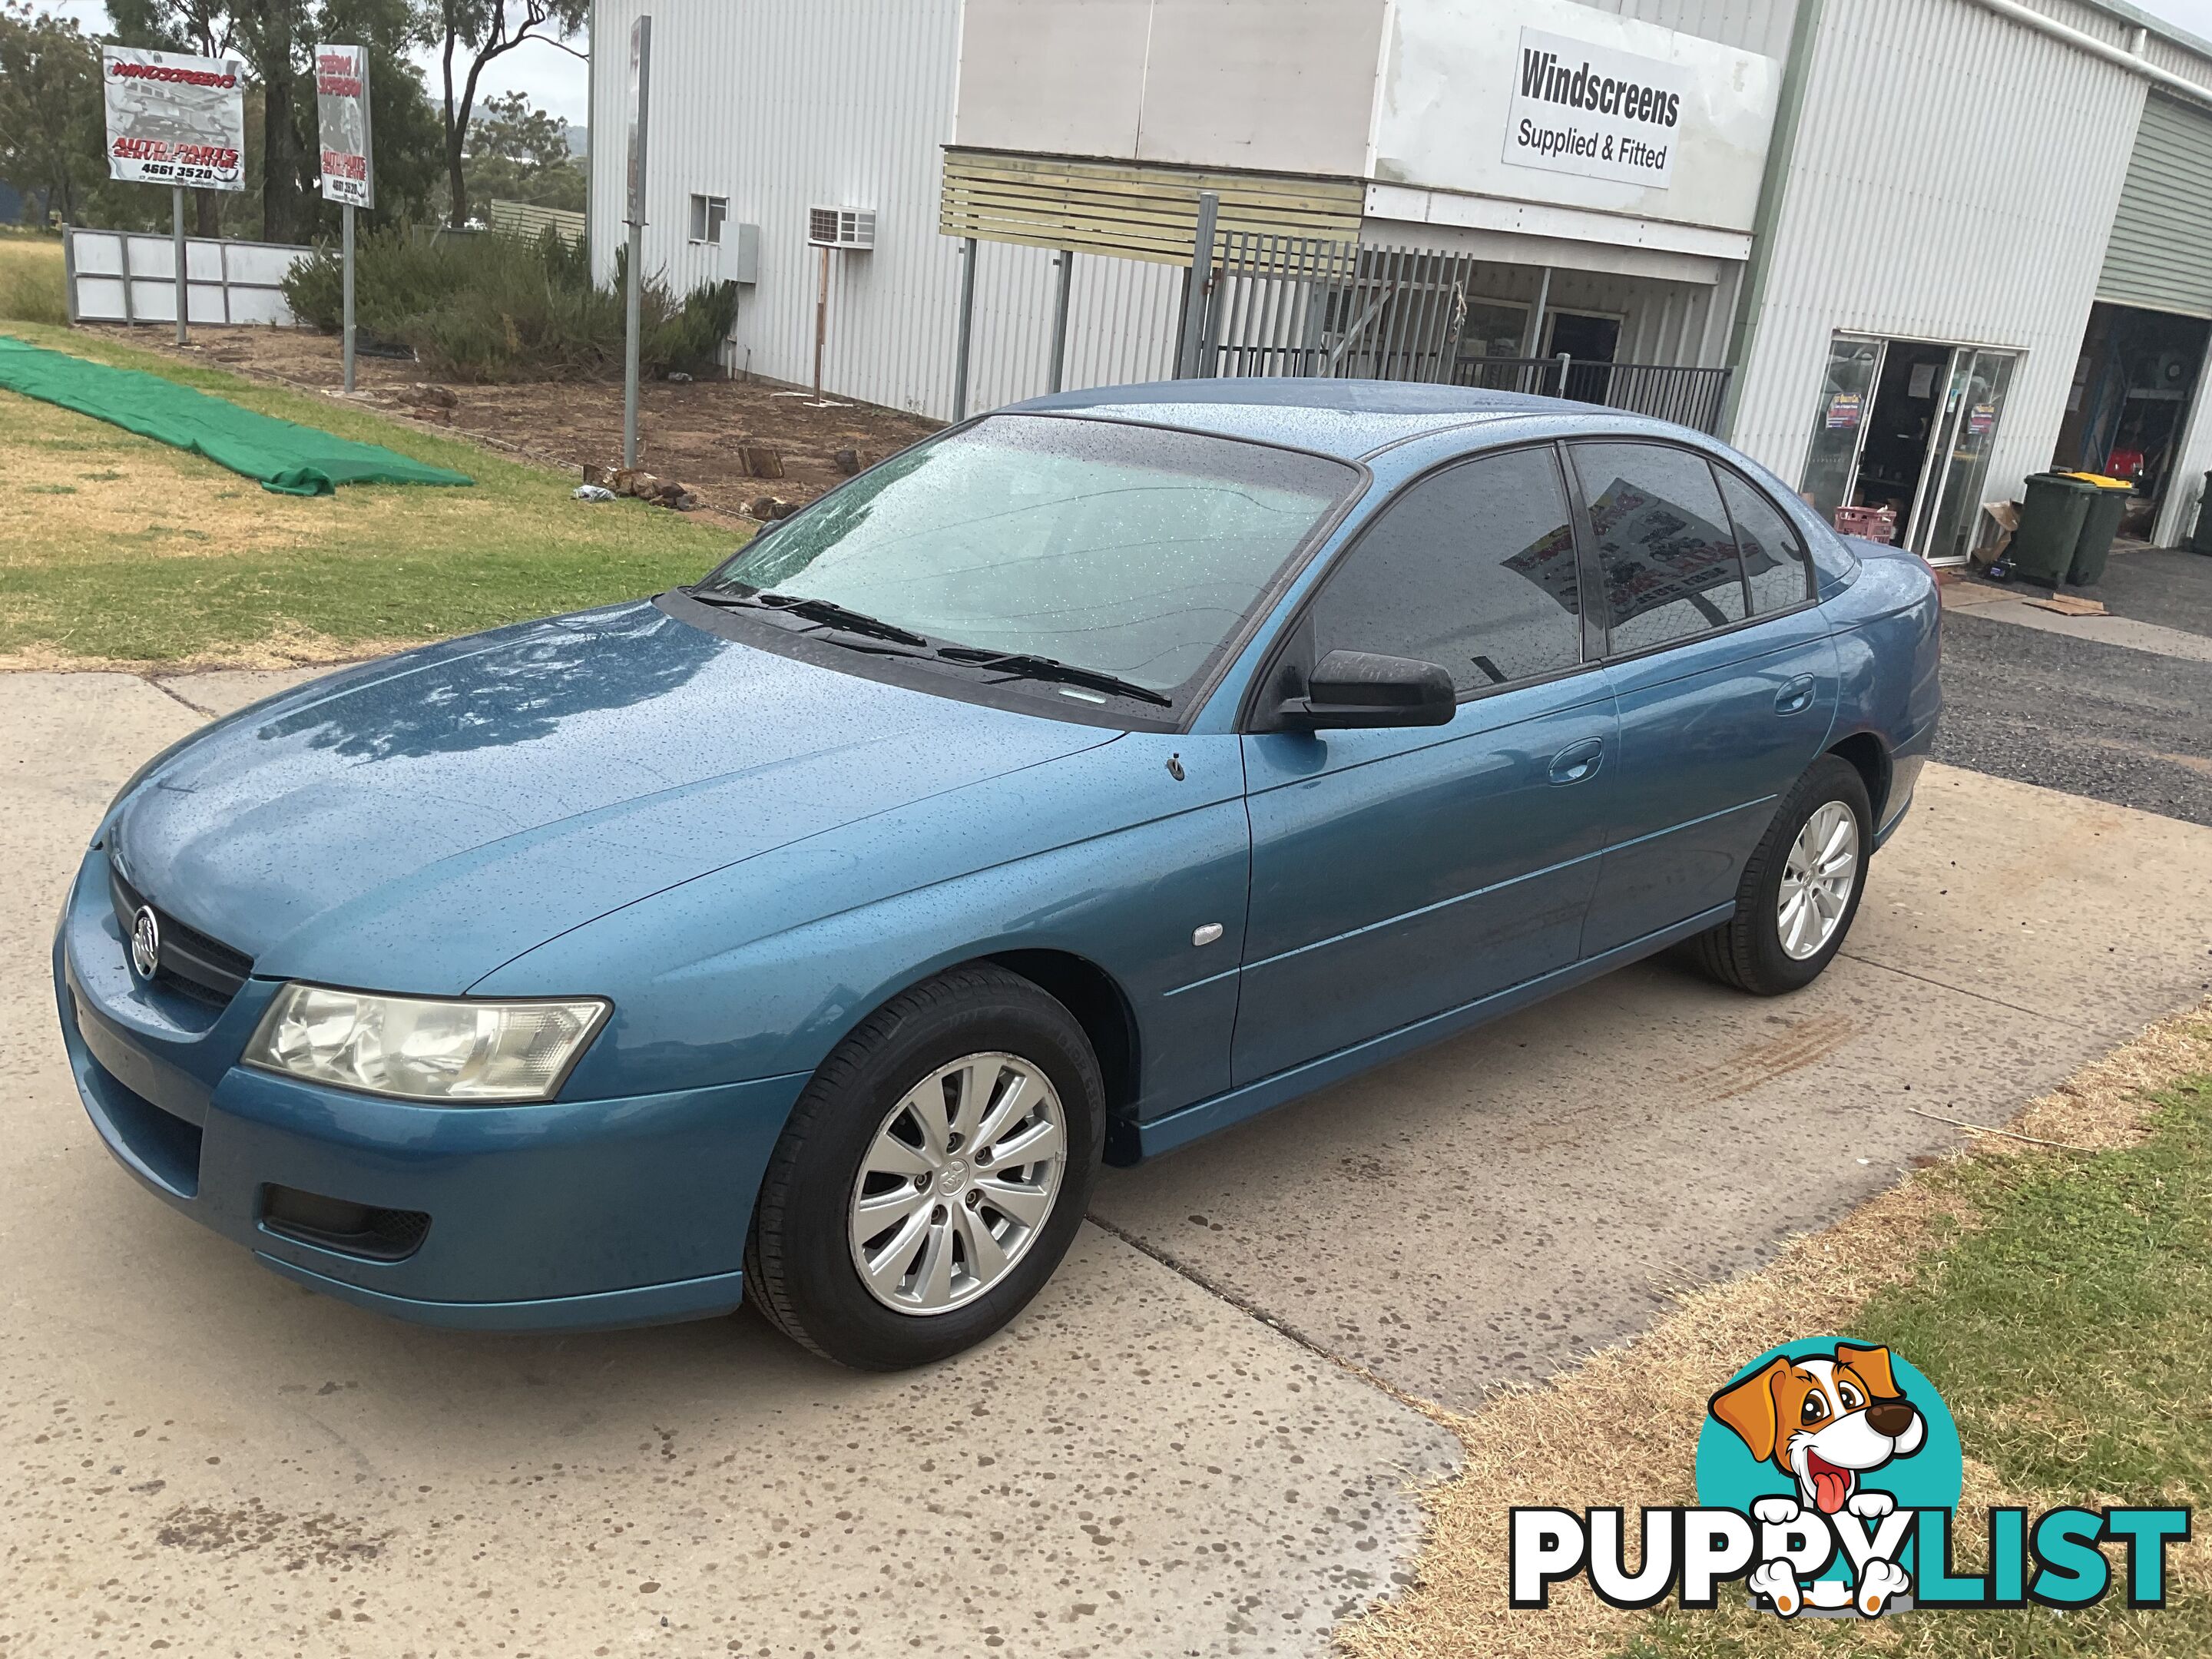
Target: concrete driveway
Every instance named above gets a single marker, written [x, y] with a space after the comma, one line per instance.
[1170, 1453]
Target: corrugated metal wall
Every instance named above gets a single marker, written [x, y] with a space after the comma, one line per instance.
[1759, 26]
[2160, 252]
[780, 106]
[1954, 180]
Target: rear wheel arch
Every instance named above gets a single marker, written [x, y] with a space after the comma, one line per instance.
[1870, 756]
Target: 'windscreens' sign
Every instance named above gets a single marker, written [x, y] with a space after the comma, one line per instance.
[342, 118]
[1592, 110]
[173, 119]
[1555, 103]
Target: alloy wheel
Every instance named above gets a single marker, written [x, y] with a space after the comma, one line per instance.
[958, 1182]
[1817, 879]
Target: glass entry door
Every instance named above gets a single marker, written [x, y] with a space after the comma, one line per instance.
[1929, 459]
[1947, 529]
[1839, 424]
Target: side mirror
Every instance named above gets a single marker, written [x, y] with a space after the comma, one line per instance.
[1359, 688]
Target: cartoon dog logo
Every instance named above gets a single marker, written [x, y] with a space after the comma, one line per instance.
[1824, 1421]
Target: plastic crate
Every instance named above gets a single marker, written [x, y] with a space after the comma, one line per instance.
[1875, 524]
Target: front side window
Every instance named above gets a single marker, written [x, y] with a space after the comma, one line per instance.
[1664, 547]
[1472, 567]
[1774, 563]
[1129, 550]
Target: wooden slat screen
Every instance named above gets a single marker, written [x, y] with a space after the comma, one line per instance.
[1128, 210]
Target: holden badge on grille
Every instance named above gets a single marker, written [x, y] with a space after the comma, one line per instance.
[145, 942]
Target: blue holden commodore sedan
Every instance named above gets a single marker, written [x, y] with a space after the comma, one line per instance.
[1077, 783]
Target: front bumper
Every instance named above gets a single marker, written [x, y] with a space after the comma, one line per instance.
[571, 1214]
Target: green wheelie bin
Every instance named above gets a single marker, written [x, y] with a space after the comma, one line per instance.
[2100, 525]
[2051, 518]
[2200, 538]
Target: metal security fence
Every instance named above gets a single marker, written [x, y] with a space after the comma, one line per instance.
[1306, 306]
[130, 276]
[1688, 396]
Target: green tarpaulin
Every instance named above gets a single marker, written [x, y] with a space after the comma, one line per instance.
[290, 459]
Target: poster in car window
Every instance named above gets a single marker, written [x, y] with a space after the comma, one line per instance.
[1550, 563]
[174, 120]
[342, 114]
[1657, 553]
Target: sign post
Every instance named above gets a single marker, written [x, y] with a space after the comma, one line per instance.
[177, 254]
[640, 95]
[348, 173]
[176, 120]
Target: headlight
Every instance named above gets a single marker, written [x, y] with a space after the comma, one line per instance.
[461, 1053]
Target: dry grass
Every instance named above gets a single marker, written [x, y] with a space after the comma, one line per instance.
[1538, 1446]
[31, 279]
[117, 550]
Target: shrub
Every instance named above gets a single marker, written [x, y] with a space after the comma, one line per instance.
[492, 308]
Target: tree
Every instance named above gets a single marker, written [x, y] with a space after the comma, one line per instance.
[472, 34]
[519, 153]
[51, 119]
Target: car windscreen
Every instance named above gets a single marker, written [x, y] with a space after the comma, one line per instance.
[1128, 550]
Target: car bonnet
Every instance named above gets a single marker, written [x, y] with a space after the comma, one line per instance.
[415, 828]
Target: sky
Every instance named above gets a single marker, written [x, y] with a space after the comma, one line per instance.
[555, 80]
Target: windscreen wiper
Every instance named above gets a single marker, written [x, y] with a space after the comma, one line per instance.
[1023, 666]
[827, 612]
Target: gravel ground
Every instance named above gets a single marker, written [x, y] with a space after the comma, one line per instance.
[2167, 586]
[2100, 720]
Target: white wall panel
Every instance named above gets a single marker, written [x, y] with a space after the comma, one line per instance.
[780, 107]
[1954, 180]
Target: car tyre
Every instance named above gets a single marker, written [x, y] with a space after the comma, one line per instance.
[803, 1264]
[1765, 947]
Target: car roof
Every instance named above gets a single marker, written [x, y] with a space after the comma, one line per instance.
[1352, 419]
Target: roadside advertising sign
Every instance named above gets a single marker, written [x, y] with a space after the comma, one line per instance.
[640, 95]
[342, 116]
[174, 120]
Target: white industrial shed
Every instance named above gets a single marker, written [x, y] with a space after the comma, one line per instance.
[1937, 244]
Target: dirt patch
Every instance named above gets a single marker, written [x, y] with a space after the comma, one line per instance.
[294, 1541]
[286, 648]
[1797, 1045]
[1539, 1447]
[693, 433]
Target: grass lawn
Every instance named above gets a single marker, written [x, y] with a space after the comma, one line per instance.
[115, 547]
[2061, 1300]
[2070, 1333]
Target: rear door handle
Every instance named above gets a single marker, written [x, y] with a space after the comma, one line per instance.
[1795, 697]
[1578, 761]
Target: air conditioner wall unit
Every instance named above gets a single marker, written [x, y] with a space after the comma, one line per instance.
[842, 227]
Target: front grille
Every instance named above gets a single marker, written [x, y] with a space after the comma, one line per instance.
[189, 961]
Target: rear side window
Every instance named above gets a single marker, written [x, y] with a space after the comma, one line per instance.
[1775, 567]
[1472, 567]
[1664, 547]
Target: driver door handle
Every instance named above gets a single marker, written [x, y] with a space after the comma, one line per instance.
[1578, 761]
